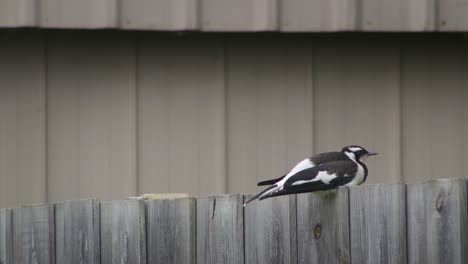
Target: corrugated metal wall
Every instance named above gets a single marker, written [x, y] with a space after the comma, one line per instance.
[239, 15]
[114, 114]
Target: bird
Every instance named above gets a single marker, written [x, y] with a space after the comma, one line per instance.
[324, 171]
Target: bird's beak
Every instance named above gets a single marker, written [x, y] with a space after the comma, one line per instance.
[372, 153]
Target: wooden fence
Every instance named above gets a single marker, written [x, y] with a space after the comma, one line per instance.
[417, 223]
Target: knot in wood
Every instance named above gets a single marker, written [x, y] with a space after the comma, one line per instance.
[440, 201]
[318, 231]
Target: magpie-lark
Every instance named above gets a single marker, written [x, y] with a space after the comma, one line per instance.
[324, 171]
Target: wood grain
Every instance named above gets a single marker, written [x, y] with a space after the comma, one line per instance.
[378, 223]
[123, 227]
[106, 232]
[77, 232]
[6, 238]
[323, 227]
[171, 231]
[270, 231]
[33, 234]
[220, 229]
[437, 222]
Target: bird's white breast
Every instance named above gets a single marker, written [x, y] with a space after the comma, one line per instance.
[359, 178]
[360, 174]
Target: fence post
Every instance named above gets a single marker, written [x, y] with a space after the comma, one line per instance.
[378, 223]
[34, 234]
[270, 231]
[77, 232]
[123, 232]
[438, 222]
[6, 239]
[171, 231]
[323, 227]
[220, 229]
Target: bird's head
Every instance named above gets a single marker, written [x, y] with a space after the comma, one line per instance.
[358, 152]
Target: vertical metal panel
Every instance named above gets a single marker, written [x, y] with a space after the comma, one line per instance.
[22, 119]
[357, 101]
[220, 229]
[91, 116]
[18, 13]
[239, 15]
[437, 222]
[397, 15]
[79, 14]
[34, 234]
[318, 15]
[269, 110]
[181, 116]
[435, 122]
[378, 223]
[452, 15]
[323, 227]
[159, 14]
[270, 231]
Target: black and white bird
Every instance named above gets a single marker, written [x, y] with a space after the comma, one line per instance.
[321, 172]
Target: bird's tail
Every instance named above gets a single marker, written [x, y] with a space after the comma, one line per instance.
[269, 189]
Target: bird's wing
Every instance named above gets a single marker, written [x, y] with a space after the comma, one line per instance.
[316, 160]
[328, 157]
[304, 164]
[325, 176]
[270, 182]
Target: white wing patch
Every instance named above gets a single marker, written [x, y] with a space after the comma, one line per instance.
[303, 165]
[354, 149]
[322, 176]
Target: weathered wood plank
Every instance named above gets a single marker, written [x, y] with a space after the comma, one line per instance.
[106, 232]
[220, 229]
[33, 234]
[128, 232]
[437, 222]
[323, 227]
[270, 231]
[171, 231]
[6, 238]
[77, 232]
[378, 223]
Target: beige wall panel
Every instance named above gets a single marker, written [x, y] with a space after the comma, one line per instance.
[397, 15]
[269, 110]
[159, 14]
[181, 116]
[22, 121]
[357, 101]
[239, 15]
[79, 14]
[91, 116]
[18, 13]
[452, 15]
[435, 134]
[317, 15]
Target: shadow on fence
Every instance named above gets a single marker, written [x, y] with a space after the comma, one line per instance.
[390, 223]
